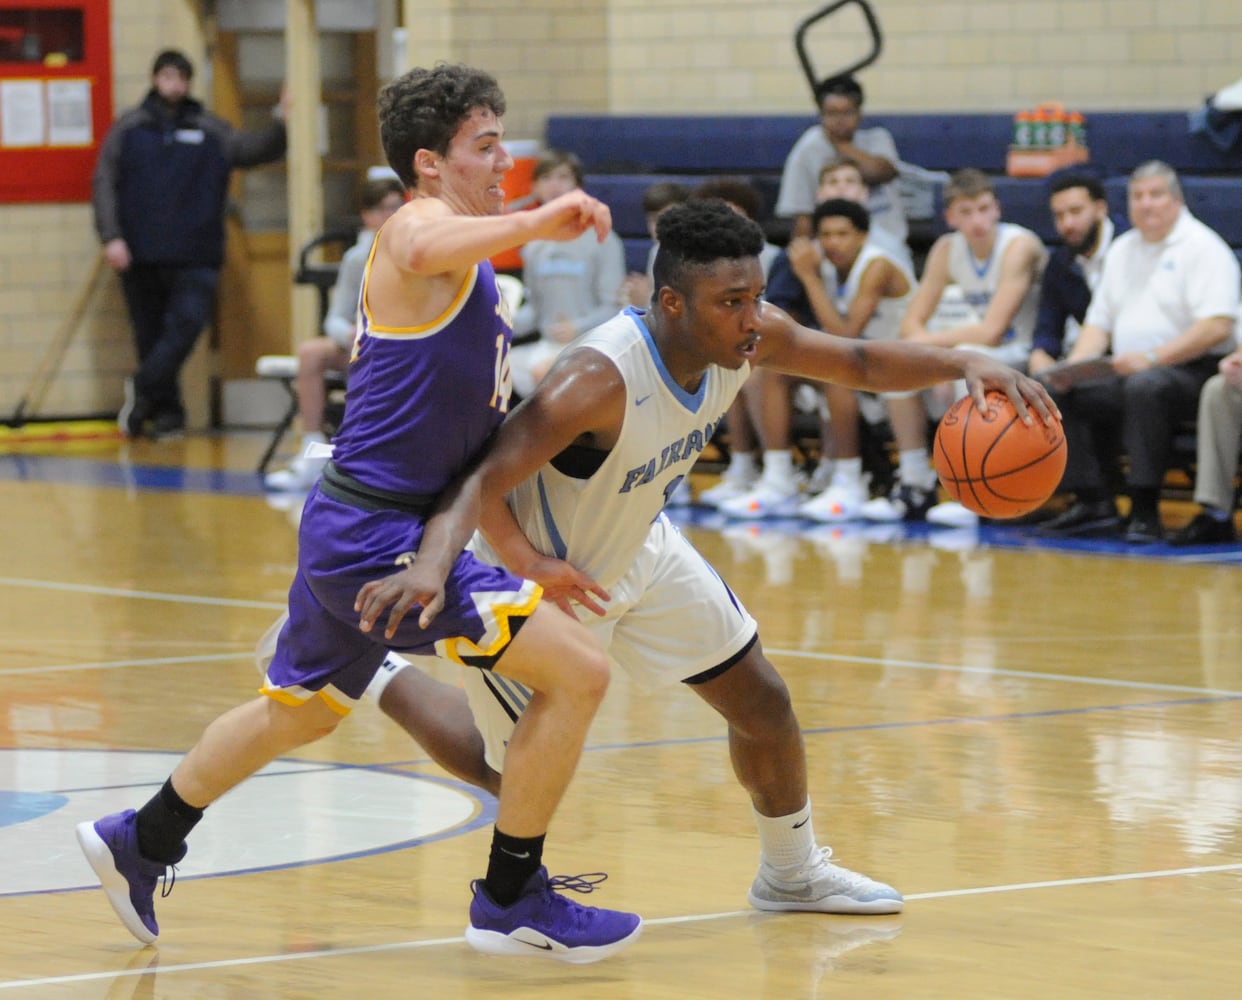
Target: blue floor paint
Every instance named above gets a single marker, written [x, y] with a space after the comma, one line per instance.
[157, 478]
[21, 807]
[160, 478]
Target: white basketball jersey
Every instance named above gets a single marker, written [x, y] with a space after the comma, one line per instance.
[979, 279]
[885, 322]
[599, 524]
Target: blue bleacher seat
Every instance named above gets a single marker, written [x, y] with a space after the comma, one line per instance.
[625, 153]
[623, 193]
[636, 250]
[1119, 141]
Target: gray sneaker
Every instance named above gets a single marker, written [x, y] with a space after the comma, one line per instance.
[822, 887]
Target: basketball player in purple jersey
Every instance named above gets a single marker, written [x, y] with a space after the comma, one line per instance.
[428, 385]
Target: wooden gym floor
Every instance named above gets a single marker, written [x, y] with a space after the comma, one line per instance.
[1038, 745]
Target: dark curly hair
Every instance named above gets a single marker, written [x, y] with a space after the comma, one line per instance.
[424, 108]
[697, 234]
[858, 215]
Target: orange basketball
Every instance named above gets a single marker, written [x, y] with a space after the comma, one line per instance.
[993, 463]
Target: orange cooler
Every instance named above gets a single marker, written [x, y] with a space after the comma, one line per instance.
[517, 186]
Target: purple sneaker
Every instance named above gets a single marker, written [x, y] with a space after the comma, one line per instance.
[111, 846]
[544, 923]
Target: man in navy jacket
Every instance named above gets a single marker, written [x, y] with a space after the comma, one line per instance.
[1080, 213]
[159, 197]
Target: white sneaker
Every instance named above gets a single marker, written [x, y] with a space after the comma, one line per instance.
[822, 887]
[299, 477]
[840, 502]
[904, 503]
[730, 487]
[765, 499]
[821, 478]
[952, 514]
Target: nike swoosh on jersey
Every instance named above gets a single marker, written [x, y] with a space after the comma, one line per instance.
[642, 399]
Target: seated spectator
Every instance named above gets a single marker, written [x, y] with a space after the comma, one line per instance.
[378, 199]
[997, 266]
[1219, 436]
[570, 287]
[840, 100]
[858, 289]
[1164, 311]
[1080, 213]
[637, 288]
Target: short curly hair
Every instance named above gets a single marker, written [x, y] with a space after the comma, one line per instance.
[695, 235]
[424, 108]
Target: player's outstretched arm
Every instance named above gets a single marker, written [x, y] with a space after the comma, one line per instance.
[889, 365]
[427, 237]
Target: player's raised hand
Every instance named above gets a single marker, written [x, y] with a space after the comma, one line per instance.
[572, 214]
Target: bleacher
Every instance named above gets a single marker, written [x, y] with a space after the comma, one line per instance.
[625, 153]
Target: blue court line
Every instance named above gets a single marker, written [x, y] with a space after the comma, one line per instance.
[17, 467]
[122, 475]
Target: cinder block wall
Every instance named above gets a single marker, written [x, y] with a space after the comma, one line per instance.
[641, 56]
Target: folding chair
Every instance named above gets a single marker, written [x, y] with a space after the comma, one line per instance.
[283, 368]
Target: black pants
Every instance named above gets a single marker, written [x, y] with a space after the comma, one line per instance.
[1136, 415]
[168, 308]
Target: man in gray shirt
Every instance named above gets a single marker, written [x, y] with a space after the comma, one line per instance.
[571, 286]
[840, 100]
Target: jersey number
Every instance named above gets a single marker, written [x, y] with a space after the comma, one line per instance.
[502, 384]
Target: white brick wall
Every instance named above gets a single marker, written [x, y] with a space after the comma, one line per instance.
[650, 56]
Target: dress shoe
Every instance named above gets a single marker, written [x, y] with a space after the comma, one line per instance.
[1095, 517]
[1144, 529]
[1206, 530]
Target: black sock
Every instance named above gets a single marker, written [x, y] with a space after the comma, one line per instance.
[1145, 501]
[164, 823]
[513, 861]
[1092, 496]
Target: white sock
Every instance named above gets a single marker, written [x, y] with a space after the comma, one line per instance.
[847, 472]
[778, 462]
[914, 468]
[313, 437]
[786, 842]
[778, 470]
[742, 466]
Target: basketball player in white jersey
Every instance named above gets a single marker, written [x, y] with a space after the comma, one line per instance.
[998, 266]
[586, 464]
[857, 288]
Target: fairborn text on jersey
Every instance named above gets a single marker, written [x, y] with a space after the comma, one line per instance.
[683, 449]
